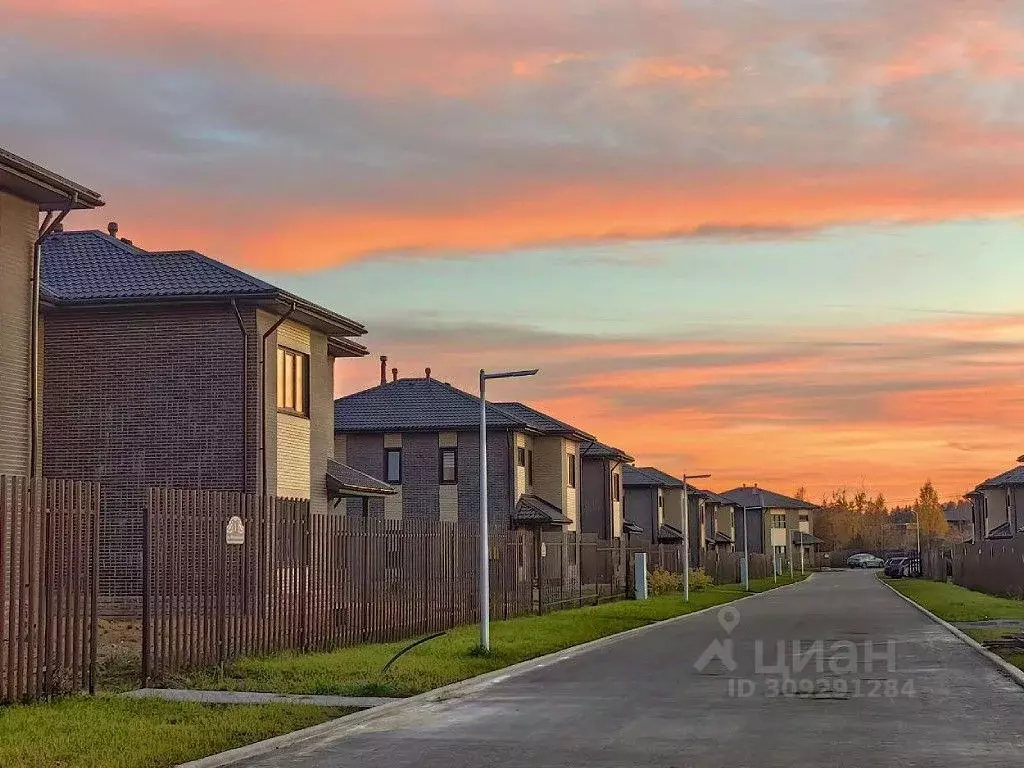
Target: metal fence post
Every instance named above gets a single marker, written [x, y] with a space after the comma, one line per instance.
[147, 578]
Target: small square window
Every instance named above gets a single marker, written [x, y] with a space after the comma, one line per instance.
[779, 521]
[449, 466]
[393, 465]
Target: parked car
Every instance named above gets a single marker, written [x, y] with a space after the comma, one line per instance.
[864, 560]
[903, 567]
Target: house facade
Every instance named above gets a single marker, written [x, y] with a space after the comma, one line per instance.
[172, 369]
[422, 437]
[603, 493]
[654, 503]
[777, 525]
[998, 506]
[26, 191]
[720, 515]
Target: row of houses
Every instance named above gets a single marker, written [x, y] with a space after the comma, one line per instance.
[133, 368]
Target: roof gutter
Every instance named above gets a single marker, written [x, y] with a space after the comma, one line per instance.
[263, 398]
[50, 223]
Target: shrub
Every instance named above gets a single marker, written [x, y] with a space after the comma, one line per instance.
[700, 580]
[662, 582]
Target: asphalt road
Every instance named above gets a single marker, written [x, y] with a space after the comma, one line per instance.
[929, 701]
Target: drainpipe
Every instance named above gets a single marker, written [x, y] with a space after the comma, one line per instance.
[263, 399]
[245, 397]
[50, 223]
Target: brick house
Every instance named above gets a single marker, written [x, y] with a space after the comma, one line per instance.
[654, 503]
[776, 524]
[170, 368]
[26, 190]
[602, 496]
[422, 437]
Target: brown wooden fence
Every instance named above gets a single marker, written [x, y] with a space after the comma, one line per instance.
[304, 581]
[49, 568]
[993, 566]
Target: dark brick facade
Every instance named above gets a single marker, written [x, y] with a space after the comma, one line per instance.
[135, 397]
[595, 497]
[420, 476]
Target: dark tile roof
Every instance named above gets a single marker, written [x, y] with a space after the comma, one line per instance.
[541, 422]
[722, 538]
[716, 498]
[629, 526]
[1001, 531]
[346, 481]
[669, 533]
[649, 476]
[535, 510]
[902, 516]
[48, 190]
[960, 513]
[1013, 476]
[748, 496]
[410, 405]
[91, 267]
[602, 451]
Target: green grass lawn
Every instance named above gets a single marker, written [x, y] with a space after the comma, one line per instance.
[356, 671]
[111, 732]
[955, 603]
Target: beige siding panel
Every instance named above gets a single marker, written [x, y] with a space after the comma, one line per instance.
[778, 538]
[805, 527]
[19, 222]
[448, 439]
[448, 502]
[293, 459]
[294, 336]
[393, 440]
[549, 470]
[341, 448]
[570, 506]
[393, 505]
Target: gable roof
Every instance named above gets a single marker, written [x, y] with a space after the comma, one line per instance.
[345, 481]
[716, 498]
[410, 405]
[541, 422]
[960, 513]
[93, 268]
[48, 190]
[752, 497]
[1013, 476]
[598, 450]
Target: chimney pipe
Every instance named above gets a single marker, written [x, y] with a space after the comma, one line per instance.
[112, 229]
[428, 373]
[394, 374]
[383, 369]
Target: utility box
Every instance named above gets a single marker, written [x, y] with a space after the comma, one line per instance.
[640, 576]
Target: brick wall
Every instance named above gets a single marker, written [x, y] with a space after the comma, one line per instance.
[136, 397]
[19, 222]
[595, 497]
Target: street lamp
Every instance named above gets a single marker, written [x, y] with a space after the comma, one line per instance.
[485, 566]
[686, 534]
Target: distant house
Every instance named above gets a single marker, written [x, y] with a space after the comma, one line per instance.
[26, 190]
[720, 522]
[171, 368]
[422, 437]
[776, 524]
[997, 505]
[654, 502]
[603, 494]
[960, 517]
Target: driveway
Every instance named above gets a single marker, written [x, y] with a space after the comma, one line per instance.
[925, 699]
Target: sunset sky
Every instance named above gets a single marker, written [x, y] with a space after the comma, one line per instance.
[775, 240]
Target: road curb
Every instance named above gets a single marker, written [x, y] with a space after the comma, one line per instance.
[1010, 671]
[348, 724]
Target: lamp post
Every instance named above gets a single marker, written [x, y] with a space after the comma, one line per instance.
[686, 534]
[485, 549]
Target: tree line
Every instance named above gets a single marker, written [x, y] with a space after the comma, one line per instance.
[859, 520]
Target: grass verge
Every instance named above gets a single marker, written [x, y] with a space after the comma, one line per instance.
[959, 604]
[112, 732]
[355, 671]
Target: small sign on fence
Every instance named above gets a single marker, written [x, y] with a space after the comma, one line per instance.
[235, 533]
